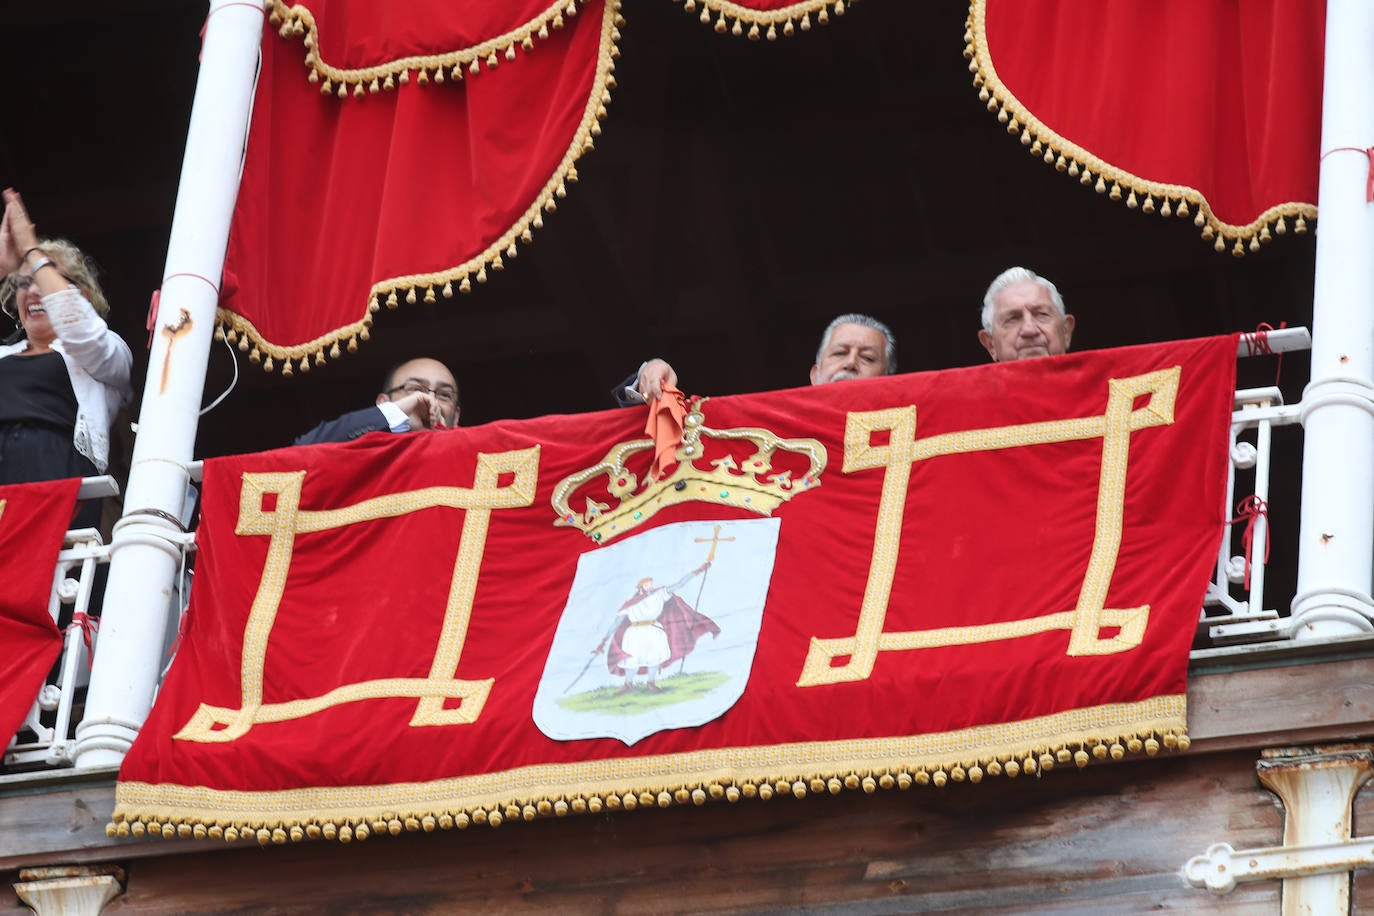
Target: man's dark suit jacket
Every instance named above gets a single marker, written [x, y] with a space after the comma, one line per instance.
[348, 427]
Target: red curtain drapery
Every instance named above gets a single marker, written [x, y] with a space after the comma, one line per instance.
[1208, 111]
[33, 520]
[420, 143]
[976, 571]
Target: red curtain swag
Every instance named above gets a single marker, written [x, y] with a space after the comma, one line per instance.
[420, 144]
[416, 148]
[416, 145]
[1205, 111]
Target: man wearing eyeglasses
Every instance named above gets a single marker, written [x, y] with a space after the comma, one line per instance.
[419, 394]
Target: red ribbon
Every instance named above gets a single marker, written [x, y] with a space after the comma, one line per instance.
[1257, 344]
[1369, 176]
[181, 631]
[1249, 509]
[152, 314]
[89, 626]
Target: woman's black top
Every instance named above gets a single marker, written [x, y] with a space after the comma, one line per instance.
[37, 391]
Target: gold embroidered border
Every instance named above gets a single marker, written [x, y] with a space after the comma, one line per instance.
[1075, 736]
[1105, 178]
[297, 21]
[785, 20]
[414, 287]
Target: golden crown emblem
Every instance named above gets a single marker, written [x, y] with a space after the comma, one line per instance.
[747, 481]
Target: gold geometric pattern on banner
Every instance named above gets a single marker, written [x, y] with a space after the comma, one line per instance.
[219, 724]
[1086, 621]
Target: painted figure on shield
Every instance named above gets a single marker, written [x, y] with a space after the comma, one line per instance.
[653, 629]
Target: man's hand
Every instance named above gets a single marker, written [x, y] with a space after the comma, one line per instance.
[655, 374]
[422, 410]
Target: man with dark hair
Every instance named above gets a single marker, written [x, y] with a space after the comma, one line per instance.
[852, 346]
[417, 394]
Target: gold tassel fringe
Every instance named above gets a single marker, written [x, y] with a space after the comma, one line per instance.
[296, 21]
[1028, 762]
[1147, 196]
[768, 24]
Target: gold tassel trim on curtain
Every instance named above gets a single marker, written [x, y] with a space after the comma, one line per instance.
[742, 20]
[429, 287]
[297, 21]
[797, 770]
[1138, 193]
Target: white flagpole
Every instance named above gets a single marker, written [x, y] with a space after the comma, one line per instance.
[146, 545]
[1336, 538]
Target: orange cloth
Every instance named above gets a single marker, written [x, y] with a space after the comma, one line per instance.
[666, 414]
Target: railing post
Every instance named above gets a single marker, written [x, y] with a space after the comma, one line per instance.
[146, 545]
[1336, 545]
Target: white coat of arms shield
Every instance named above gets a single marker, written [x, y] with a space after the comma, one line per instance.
[658, 632]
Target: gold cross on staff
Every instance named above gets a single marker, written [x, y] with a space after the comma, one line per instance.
[715, 539]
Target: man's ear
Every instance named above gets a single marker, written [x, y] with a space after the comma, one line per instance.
[815, 373]
[1068, 331]
[985, 339]
[382, 398]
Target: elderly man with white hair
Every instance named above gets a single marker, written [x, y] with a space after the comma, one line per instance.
[1024, 317]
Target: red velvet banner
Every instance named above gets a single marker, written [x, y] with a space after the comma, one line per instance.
[1206, 110]
[919, 578]
[33, 519]
[418, 145]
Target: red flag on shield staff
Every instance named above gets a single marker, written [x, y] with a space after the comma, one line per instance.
[33, 519]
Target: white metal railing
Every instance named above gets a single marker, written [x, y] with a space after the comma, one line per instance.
[1233, 610]
[45, 740]
[69, 604]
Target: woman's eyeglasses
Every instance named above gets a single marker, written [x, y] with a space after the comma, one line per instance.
[19, 283]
